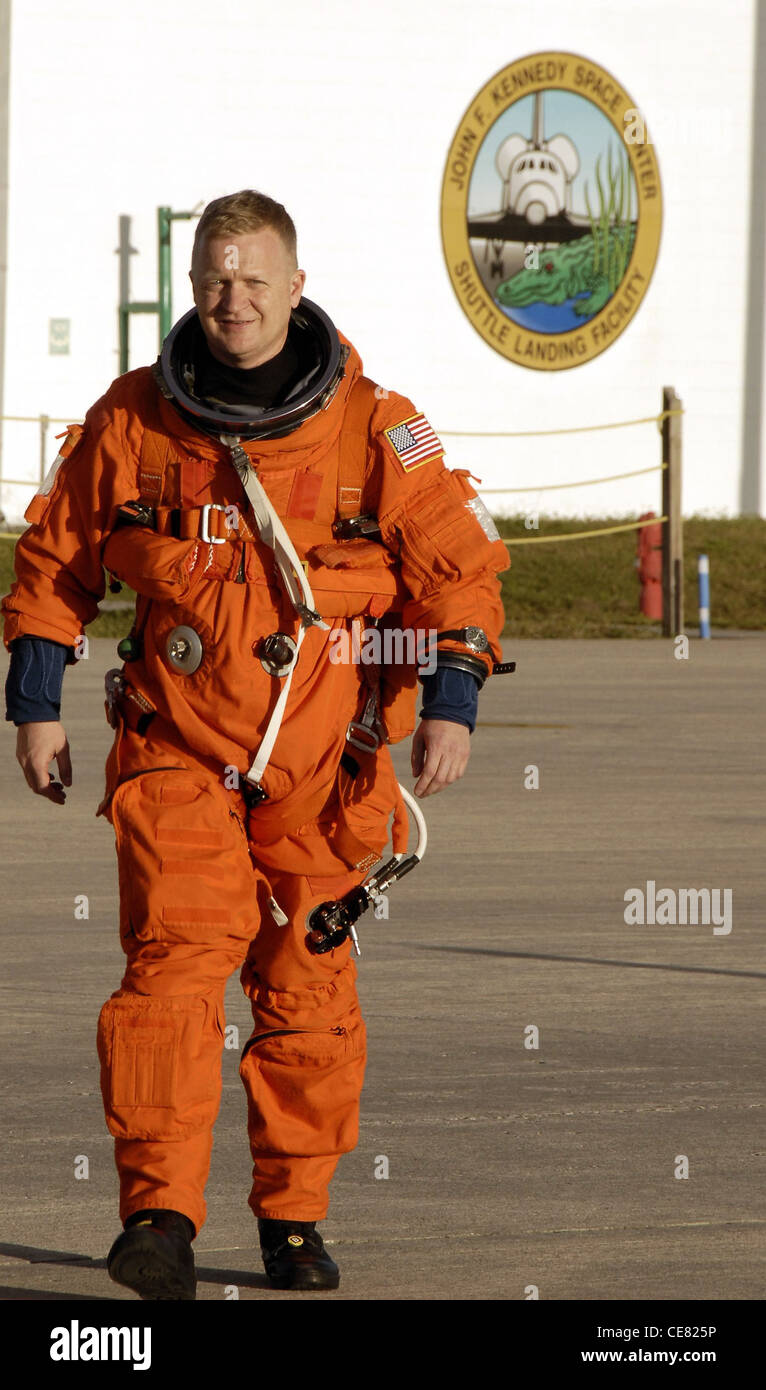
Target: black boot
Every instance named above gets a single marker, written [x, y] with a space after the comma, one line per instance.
[153, 1256]
[295, 1257]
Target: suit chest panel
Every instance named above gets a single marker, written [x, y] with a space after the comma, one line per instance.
[306, 493]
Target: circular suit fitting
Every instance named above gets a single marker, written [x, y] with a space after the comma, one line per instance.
[183, 649]
[277, 653]
[320, 341]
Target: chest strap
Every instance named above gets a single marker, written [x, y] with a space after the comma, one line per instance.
[212, 523]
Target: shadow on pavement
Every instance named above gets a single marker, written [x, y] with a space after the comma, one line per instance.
[248, 1278]
[588, 960]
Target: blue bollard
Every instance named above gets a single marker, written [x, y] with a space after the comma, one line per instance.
[703, 578]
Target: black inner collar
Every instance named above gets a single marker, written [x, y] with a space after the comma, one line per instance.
[295, 384]
[264, 386]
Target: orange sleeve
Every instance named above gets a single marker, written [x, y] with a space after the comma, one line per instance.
[430, 516]
[59, 571]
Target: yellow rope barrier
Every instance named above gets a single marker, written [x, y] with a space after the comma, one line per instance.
[578, 535]
[572, 429]
[586, 482]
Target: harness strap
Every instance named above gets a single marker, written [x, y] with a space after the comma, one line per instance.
[355, 448]
[151, 465]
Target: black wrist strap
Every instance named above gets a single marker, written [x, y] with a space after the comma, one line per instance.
[459, 661]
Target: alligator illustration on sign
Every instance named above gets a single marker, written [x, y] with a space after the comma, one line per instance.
[586, 271]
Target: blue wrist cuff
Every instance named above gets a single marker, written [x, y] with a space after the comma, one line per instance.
[35, 678]
[451, 694]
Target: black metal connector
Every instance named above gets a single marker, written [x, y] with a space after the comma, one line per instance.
[330, 923]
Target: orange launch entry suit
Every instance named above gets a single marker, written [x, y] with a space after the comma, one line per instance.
[210, 882]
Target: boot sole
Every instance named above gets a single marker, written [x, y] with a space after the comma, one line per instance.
[304, 1280]
[137, 1262]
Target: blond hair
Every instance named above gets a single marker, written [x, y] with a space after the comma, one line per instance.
[246, 211]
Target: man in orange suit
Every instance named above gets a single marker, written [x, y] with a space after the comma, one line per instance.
[265, 500]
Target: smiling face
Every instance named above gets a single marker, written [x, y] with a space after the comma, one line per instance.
[245, 285]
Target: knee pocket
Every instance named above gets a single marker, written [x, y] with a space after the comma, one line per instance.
[184, 867]
[303, 1087]
[160, 1065]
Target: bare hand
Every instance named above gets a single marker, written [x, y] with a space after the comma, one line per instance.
[440, 753]
[36, 746]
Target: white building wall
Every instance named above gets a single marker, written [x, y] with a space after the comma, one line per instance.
[345, 113]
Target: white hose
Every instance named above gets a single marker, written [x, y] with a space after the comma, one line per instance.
[420, 822]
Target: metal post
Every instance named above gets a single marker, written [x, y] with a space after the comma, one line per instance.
[124, 251]
[703, 581]
[44, 423]
[673, 538]
[124, 338]
[164, 297]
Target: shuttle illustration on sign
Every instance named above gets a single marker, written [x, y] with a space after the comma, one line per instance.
[537, 174]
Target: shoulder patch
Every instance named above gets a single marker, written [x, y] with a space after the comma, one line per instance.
[414, 442]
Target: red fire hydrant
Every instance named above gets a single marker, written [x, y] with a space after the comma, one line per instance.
[649, 566]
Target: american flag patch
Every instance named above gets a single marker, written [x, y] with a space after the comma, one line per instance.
[414, 442]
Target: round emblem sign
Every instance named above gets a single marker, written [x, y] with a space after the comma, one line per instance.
[551, 211]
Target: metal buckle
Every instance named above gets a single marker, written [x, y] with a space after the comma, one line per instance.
[363, 525]
[361, 736]
[252, 792]
[204, 525]
[114, 688]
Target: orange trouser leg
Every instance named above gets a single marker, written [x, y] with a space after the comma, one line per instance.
[188, 912]
[167, 1174]
[303, 1066]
